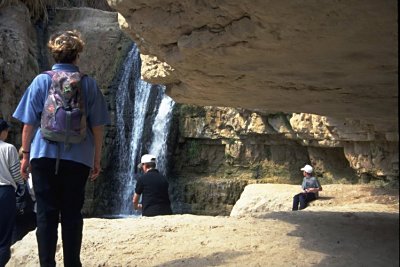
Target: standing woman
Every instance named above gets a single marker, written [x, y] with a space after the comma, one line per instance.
[60, 169]
[10, 178]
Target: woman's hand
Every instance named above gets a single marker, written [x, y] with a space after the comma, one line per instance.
[95, 171]
[25, 168]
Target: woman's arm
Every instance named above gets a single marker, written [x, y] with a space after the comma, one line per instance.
[27, 133]
[98, 143]
[313, 190]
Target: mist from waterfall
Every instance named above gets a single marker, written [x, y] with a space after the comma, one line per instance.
[143, 115]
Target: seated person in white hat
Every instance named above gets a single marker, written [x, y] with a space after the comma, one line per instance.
[310, 188]
[153, 187]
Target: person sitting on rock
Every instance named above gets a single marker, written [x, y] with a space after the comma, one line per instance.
[310, 187]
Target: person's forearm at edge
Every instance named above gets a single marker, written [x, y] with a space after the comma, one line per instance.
[313, 190]
[98, 143]
[135, 200]
[27, 132]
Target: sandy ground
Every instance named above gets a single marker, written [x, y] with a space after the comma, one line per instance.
[363, 232]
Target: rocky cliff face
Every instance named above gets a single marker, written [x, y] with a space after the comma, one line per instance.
[242, 146]
[238, 137]
[332, 58]
[18, 56]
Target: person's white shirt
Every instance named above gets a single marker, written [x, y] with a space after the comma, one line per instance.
[31, 191]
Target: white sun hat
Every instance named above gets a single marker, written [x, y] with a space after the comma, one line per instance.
[147, 158]
[307, 169]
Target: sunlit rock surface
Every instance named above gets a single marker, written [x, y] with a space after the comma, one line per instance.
[337, 59]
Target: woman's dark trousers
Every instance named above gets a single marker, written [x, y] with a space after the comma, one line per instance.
[303, 199]
[7, 219]
[59, 197]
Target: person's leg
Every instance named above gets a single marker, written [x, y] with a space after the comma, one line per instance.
[7, 219]
[74, 176]
[307, 198]
[296, 200]
[311, 197]
[303, 201]
[47, 189]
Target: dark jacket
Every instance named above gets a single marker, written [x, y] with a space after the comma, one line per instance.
[153, 187]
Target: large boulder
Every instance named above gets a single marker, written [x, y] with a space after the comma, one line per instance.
[259, 200]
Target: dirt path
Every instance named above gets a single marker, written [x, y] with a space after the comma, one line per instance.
[314, 237]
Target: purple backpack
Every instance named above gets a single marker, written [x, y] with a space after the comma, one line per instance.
[64, 117]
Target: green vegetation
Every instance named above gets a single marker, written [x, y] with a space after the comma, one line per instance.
[268, 169]
[193, 149]
[192, 111]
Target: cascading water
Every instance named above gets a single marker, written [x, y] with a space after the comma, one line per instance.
[142, 121]
[160, 131]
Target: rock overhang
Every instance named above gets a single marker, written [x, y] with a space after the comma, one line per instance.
[331, 58]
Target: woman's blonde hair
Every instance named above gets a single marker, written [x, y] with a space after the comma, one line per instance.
[65, 46]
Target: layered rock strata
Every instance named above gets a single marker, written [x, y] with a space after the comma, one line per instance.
[216, 136]
[221, 150]
[337, 59]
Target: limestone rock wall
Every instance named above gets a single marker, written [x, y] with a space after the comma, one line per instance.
[367, 150]
[216, 137]
[236, 147]
[332, 58]
[18, 56]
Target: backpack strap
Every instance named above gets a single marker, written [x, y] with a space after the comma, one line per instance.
[49, 72]
[68, 129]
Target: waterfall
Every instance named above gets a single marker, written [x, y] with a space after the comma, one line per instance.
[160, 133]
[122, 109]
[143, 114]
